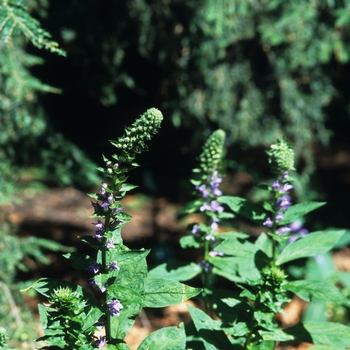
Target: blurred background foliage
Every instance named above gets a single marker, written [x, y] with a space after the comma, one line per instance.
[257, 69]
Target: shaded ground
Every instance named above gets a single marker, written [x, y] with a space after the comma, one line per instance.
[64, 214]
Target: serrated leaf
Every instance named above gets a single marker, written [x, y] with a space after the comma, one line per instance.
[243, 207]
[299, 210]
[173, 338]
[311, 245]
[179, 271]
[322, 333]
[161, 292]
[310, 290]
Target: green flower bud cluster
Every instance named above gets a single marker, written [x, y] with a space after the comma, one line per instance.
[273, 276]
[3, 336]
[66, 301]
[140, 131]
[281, 156]
[211, 156]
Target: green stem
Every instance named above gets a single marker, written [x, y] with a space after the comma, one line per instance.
[206, 279]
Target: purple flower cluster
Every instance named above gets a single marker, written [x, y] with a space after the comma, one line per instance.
[99, 230]
[100, 342]
[209, 192]
[283, 202]
[114, 307]
[206, 266]
[93, 268]
[297, 231]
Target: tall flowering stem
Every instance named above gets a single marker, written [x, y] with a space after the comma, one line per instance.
[109, 210]
[281, 159]
[207, 185]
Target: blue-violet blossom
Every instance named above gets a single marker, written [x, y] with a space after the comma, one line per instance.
[114, 307]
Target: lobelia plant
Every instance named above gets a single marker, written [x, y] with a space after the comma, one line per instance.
[244, 315]
[73, 316]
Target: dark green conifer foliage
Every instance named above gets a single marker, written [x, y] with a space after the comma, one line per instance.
[26, 137]
[259, 70]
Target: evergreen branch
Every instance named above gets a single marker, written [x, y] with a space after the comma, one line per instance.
[15, 18]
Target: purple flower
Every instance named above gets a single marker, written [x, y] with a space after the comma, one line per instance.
[304, 232]
[279, 216]
[205, 266]
[101, 342]
[195, 229]
[114, 307]
[286, 187]
[268, 222]
[109, 244]
[98, 225]
[114, 266]
[283, 230]
[203, 189]
[204, 207]
[98, 235]
[293, 238]
[214, 224]
[106, 202]
[93, 268]
[284, 202]
[215, 206]
[284, 176]
[210, 237]
[103, 188]
[276, 185]
[295, 226]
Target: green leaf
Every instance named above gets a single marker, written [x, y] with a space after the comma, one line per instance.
[322, 333]
[132, 304]
[313, 244]
[275, 335]
[299, 210]
[264, 244]
[209, 330]
[189, 242]
[236, 269]
[125, 187]
[173, 338]
[161, 292]
[310, 290]
[237, 247]
[344, 240]
[243, 207]
[179, 271]
[79, 261]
